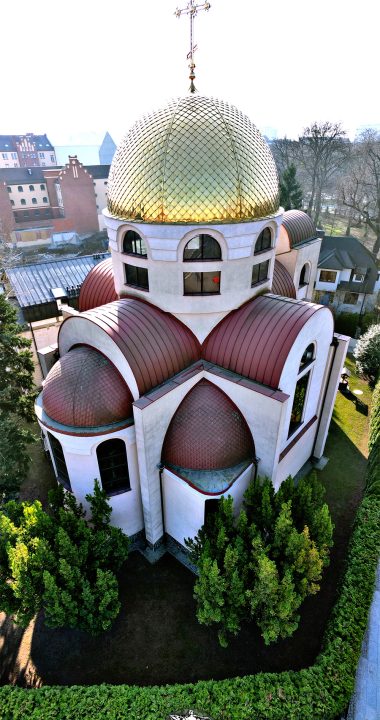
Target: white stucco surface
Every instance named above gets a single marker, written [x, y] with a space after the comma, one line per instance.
[184, 506]
[82, 465]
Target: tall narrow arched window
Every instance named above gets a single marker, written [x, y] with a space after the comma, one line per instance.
[264, 241]
[113, 466]
[59, 462]
[133, 244]
[304, 275]
[308, 356]
[299, 401]
[202, 247]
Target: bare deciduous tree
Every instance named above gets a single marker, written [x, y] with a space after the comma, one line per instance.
[322, 152]
[360, 189]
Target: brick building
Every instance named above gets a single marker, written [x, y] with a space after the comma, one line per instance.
[36, 202]
[27, 150]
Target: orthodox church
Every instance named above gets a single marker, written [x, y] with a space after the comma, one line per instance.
[196, 360]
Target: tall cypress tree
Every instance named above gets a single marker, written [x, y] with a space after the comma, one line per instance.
[17, 395]
[290, 190]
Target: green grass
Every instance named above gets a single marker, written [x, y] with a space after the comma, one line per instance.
[347, 451]
[349, 420]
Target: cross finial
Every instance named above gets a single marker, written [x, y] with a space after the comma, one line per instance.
[191, 10]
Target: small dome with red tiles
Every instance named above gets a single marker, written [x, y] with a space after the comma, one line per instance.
[84, 389]
[207, 432]
[98, 287]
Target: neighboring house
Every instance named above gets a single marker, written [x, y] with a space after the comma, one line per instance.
[36, 202]
[27, 150]
[347, 278]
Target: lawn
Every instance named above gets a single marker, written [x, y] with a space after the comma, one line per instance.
[156, 638]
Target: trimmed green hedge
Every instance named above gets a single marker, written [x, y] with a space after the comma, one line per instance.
[320, 692]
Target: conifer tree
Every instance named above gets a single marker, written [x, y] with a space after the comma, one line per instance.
[290, 190]
[17, 395]
[262, 565]
[58, 563]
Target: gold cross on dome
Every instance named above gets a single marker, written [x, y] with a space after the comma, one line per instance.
[191, 10]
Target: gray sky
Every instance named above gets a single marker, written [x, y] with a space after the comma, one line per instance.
[76, 68]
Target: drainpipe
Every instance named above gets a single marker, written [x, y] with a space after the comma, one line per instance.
[335, 344]
[160, 467]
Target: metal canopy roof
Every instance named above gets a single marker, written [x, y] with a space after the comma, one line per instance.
[33, 284]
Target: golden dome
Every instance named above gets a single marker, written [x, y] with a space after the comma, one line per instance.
[197, 160]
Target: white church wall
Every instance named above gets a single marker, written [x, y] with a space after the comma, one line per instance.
[294, 260]
[294, 460]
[79, 330]
[184, 505]
[151, 423]
[318, 330]
[83, 469]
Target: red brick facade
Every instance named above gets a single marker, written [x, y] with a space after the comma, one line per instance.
[78, 196]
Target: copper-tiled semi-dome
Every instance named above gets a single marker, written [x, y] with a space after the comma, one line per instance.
[299, 226]
[98, 287]
[196, 160]
[155, 344]
[83, 389]
[255, 340]
[207, 432]
[282, 283]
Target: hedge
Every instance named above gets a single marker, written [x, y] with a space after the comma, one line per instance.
[320, 692]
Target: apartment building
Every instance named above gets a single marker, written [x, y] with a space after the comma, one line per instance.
[27, 150]
[36, 202]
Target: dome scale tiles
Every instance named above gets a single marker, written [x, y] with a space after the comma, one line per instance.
[196, 160]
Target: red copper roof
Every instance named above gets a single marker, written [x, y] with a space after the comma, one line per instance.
[84, 389]
[299, 226]
[255, 340]
[207, 432]
[98, 287]
[155, 344]
[282, 283]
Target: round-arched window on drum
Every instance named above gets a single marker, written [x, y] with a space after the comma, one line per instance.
[202, 247]
[133, 244]
[264, 241]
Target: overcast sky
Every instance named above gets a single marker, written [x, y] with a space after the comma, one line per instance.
[76, 68]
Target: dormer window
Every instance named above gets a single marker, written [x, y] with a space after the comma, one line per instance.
[200, 248]
[133, 244]
[264, 241]
[327, 276]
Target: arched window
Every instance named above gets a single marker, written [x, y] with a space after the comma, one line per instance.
[113, 466]
[23, 202]
[31, 187]
[202, 247]
[20, 188]
[59, 462]
[300, 393]
[44, 199]
[264, 241]
[308, 356]
[304, 275]
[133, 244]
[34, 201]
